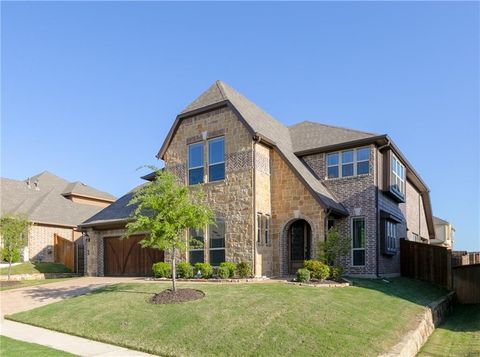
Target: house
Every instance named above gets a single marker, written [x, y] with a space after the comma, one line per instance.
[276, 190]
[55, 207]
[444, 233]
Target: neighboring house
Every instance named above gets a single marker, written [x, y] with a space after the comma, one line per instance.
[462, 257]
[444, 233]
[53, 205]
[276, 190]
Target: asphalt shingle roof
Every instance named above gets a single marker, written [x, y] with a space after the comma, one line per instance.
[43, 202]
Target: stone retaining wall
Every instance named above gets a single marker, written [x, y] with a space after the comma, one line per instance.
[434, 314]
[39, 276]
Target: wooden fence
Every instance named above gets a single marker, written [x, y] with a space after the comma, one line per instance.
[466, 282]
[426, 262]
[64, 251]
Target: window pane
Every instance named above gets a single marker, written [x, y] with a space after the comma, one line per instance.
[195, 176]
[347, 156]
[362, 168]
[216, 172]
[359, 257]
[332, 159]
[259, 228]
[196, 239]
[195, 155]
[333, 172]
[217, 235]
[347, 170]
[363, 154]
[217, 257]
[358, 233]
[196, 256]
[216, 151]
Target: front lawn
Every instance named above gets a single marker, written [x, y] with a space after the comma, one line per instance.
[15, 348]
[245, 319]
[8, 285]
[35, 268]
[458, 336]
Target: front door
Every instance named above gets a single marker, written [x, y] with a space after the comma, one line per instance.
[299, 245]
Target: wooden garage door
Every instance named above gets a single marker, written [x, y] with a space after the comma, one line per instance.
[125, 257]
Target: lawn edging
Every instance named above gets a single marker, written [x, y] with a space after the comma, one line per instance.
[433, 315]
[38, 276]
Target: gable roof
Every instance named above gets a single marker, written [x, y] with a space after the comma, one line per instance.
[78, 188]
[262, 126]
[42, 201]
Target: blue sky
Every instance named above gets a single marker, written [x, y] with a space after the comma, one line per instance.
[89, 90]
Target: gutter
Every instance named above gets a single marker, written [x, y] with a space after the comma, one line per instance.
[102, 223]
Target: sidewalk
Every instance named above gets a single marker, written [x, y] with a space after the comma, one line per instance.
[61, 341]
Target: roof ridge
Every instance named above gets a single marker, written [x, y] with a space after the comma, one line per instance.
[219, 84]
[333, 126]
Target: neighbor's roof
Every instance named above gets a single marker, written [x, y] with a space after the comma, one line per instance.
[43, 200]
[78, 188]
[263, 125]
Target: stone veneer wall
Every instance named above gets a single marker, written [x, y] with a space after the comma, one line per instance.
[291, 200]
[264, 252]
[232, 198]
[40, 241]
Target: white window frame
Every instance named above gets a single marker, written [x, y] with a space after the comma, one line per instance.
[364, 243]
[396, 178]
[340, 163]
[196, 167]
[391, 235]
[218, 138]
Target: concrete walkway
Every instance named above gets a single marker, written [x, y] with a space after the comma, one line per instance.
[23, 299]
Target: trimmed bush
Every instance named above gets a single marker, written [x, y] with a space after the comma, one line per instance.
[317, 269]
[162, 270]
[244, 270]
[223, 272]
[5, 255]
[205, 269]
[303, 275]
[336, 272]
[185, 270]
[232, 268]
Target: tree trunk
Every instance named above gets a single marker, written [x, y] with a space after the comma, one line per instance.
[174, 269]
[9, 266]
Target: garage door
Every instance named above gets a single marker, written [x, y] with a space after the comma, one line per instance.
[125, 257]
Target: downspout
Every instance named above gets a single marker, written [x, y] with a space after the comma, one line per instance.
[377, 206]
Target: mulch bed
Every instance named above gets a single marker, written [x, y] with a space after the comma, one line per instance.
[174, 297]
[8, 283]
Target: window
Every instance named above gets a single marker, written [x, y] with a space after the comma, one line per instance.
[348, 163]
[259, 228]
[266, 229]
[195, 163]
[358, 242]
[390, 236]
[397, 178]
[217, 242]
[415, 237]
[263, 228]
[216, 159]
[196, 244]
[330, 223]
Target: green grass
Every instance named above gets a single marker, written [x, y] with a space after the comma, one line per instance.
[14, 348]
[26, 283]
[245, 319]
[35, 268]
[458, 336]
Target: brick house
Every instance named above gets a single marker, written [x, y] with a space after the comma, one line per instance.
[277, 189]
[54, 206]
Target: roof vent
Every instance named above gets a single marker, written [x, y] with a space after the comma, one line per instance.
[36, 185]
[28, 184]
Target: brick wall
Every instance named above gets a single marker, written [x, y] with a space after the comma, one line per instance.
[40, 241]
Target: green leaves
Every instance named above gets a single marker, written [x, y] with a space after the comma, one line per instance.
[14, 232]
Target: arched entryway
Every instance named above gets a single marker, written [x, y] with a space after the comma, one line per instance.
[299, 244]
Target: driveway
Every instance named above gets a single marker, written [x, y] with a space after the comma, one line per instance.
[17, 300]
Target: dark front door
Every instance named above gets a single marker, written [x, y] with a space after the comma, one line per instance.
[299, 245]
[125, 257]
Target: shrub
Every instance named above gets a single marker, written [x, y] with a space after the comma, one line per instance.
[185, 270]
[232, 268]
[303, 275]
[162, 270]
[244, 270]
[336, 272]
[223, 272]
[318, 269]
[205, 269]
[15, 255]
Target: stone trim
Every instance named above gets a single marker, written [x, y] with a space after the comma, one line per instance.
[179, 171]
[39, 276]
[262, 163]
[433, 315]
[239, 161]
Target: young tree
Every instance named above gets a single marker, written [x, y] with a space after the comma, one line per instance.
[165, 210]
[14, 235]
[333, 248]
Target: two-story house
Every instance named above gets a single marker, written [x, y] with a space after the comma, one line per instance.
[276, 190]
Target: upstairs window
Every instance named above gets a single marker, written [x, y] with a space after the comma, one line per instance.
[397, 178]
[216, 159]
[348, 163]
[196, 245]
[217, 242]
[195, 163]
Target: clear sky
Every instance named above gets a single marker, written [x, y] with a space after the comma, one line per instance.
[89, 90]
